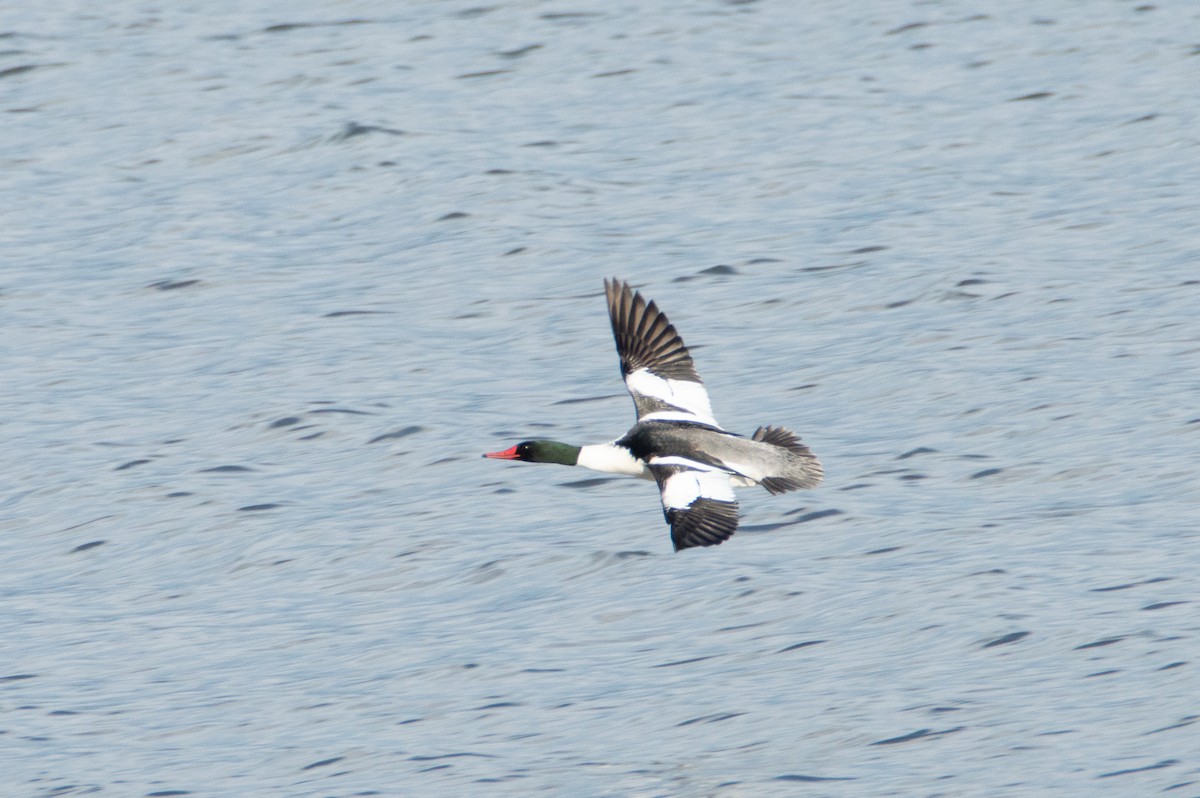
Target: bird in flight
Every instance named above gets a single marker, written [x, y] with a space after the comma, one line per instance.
[676, 441]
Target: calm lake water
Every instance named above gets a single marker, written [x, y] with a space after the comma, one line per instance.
[272, 280]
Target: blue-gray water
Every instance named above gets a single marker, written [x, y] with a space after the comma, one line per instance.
[271, 281]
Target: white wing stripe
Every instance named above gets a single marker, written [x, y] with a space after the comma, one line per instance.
[680, 490]
[677, 415]
[675, 460]
[686, 395]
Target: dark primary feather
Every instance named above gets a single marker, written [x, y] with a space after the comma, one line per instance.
[645, 339]
[705, 522]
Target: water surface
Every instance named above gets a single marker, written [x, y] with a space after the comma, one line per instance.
[272, 280]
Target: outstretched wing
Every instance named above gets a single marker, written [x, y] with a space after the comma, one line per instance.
[656, 366]
[697, 501]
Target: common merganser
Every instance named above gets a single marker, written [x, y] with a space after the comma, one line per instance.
[676, 441]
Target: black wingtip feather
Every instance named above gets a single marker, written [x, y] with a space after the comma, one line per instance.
[644, 336]
[705, 522]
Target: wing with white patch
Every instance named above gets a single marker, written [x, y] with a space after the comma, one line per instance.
[697, 501]
[656, 366]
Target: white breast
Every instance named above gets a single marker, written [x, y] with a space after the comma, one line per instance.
[612, 460]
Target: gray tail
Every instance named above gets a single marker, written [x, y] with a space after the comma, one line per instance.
[802, 470]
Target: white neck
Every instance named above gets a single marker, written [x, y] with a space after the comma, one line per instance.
[612, 460]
